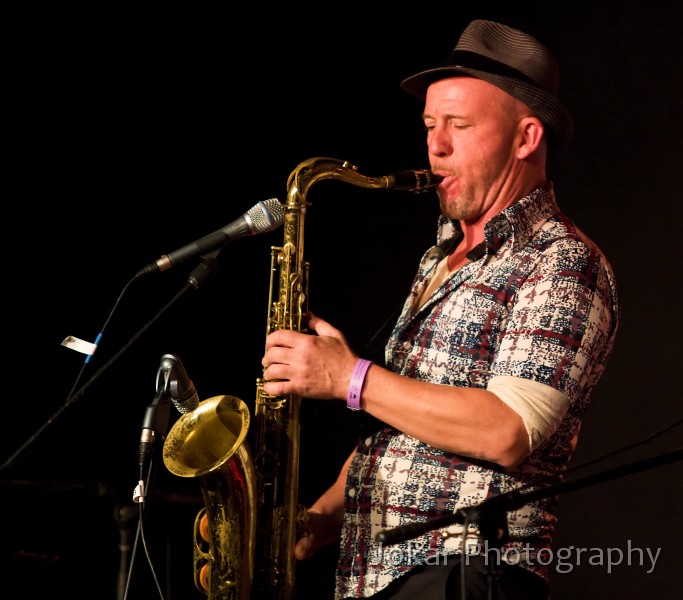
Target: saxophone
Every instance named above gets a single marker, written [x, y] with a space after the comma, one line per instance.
[249, 472]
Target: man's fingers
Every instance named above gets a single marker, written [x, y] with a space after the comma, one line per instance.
[303, 548]
[322, 327]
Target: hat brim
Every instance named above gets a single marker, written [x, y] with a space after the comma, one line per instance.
[547, 108]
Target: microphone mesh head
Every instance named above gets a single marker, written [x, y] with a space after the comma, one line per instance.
[267, 215]
[185, 406]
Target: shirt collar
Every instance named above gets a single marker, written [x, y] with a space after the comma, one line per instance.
[519, 221]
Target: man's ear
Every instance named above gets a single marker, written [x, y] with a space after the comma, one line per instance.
[531, 136]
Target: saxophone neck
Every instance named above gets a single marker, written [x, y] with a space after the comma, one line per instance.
[312, 170]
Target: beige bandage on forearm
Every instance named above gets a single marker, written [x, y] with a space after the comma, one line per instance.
[540, 406]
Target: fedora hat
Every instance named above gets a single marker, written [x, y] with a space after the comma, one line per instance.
[510, 59]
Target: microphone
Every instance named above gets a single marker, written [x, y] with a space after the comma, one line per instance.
[155, 422]
[183, 393]
[172, 382]
[263, 217]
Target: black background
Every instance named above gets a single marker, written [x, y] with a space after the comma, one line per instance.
[132, 133]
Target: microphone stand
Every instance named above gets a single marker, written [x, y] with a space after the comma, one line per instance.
[207, 267]
[124, 514]
[490, 511]
[154, 426]
[491, 514]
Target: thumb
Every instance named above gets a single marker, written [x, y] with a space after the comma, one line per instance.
[322, 327]
[304, 548]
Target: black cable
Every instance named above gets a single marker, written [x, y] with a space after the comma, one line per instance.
[651, 437]
[150, 562]
[140, 533]
[617, 451]
[208, 266]
[99, 337]
[70, 395]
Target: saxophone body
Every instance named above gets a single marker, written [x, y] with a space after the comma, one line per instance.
[249, 468]
[210, 444]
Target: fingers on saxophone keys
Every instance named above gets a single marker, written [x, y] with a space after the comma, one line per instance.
[274, 387]
[271, 357]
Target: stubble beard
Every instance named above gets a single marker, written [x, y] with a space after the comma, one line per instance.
[457, 208]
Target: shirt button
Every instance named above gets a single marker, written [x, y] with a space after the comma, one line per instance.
[352, 492]
[368, 441]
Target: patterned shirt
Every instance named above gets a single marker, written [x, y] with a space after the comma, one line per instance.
[539, 303]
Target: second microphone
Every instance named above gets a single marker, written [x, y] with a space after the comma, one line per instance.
[263, 217]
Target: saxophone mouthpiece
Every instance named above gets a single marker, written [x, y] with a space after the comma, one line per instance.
[414, 181]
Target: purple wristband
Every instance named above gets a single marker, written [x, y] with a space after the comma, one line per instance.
[356, 383]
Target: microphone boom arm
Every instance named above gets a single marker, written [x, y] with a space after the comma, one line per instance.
[518, 498]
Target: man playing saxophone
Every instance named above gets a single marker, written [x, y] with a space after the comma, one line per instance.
[506, 331]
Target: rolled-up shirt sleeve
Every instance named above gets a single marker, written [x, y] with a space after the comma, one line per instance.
[541, 407]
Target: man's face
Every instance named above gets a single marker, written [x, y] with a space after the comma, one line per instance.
[472, 130]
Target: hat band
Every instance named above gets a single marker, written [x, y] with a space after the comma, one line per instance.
[471, 60]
